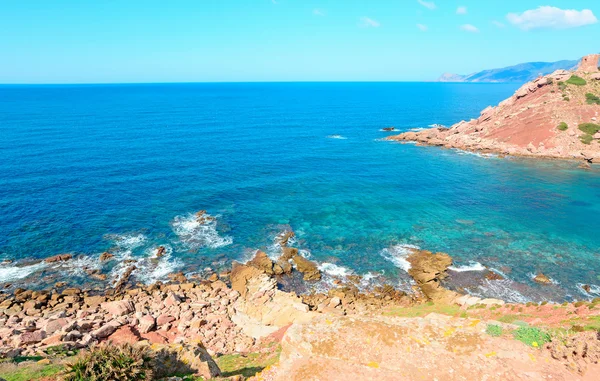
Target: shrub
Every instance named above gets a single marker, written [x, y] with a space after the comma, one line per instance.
[494, 330]
[109, 362]
[562, 86]
[592, 99]
[534, 337]
[563, 126]
[550, 81]
[589, 128]
[577, 81]
[586, 139]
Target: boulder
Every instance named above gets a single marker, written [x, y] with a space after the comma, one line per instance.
[106, 256]
[28, 338]
[118, 307]
[262, 262]
[103, 332]
[240, 275]
[160, 251]
[285, 237]
[428, 269]
[146, 324]
[306, 267]
[543, 279]
[59, 258]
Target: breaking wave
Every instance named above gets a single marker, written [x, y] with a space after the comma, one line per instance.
[337, 137]
[398, 255]
[12, 273]
[334, 270]
[472, 266]
[195, 234]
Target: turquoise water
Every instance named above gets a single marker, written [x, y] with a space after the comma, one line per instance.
[84, 169]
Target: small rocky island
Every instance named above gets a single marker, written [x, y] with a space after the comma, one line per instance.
[554, 116]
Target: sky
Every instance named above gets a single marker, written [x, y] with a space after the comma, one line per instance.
[119, 41]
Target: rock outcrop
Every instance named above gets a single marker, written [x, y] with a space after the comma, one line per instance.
[436, 347]
[542, 119]
[428, 270]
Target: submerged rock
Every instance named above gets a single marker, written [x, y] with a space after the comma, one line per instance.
[59, 258]
[106, 256]
[543, 279]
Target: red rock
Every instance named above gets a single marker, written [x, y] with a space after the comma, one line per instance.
[55, 326]
[28, 338]
[125, 335]
[147, 324]
[103, 332]
[154, 338]
[118, 307]
[164, 319]
[589, 63]
[59, 258]
[53, 340]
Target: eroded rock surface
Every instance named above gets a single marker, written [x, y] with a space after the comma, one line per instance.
[435, 347]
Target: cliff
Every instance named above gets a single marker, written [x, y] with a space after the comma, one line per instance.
[554, 116]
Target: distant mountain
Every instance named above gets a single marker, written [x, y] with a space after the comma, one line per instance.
[524, 72]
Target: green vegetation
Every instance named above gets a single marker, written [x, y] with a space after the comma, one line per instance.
[562, 86]
[592, 99]
[566, 99]
[427, 308]
[28, 371]
[577, 81]
[107, 363]
[589, 129]
[534, 337]
[512, 319]
[494, 330]
[248, 365]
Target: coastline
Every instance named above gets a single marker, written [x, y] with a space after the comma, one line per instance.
[552, 117]
[245, 311]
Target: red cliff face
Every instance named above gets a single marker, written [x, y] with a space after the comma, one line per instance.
[528, 122]
[589, 64]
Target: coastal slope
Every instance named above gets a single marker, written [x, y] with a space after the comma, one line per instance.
[554, 116]
[517, 73]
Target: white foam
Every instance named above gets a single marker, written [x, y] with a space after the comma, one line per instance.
[417, 129]
[128, 241]
[195, 234]
[500, 289]
[435, 125]
[472, 266]
[478, 154]
[305, 253]
[398, 255]
[334, 270]
[594, 289]
[12, 273]
[337, 137]
[553, 281]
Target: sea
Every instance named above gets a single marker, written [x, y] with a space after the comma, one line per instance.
[123, 168]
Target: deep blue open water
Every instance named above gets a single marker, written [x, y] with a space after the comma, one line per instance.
[85, 169]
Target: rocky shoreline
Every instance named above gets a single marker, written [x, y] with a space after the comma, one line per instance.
[243, 310]
[228, 312]
[555, 116]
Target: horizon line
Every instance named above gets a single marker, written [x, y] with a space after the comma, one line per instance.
[234, 82]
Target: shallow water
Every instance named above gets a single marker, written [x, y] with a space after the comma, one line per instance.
[84, 169]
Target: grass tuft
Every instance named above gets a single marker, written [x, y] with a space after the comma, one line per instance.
[563, 126]
[494, 330]
[534, 337]
[576, 80]
[592, 99]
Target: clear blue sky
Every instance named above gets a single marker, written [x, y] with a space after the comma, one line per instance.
[56, 41]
